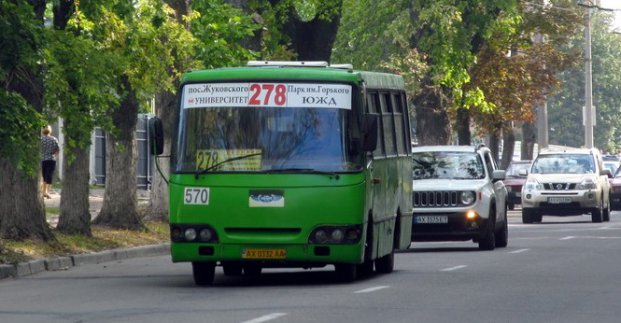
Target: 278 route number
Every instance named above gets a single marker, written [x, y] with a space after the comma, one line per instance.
[266, 94]
[196, 195]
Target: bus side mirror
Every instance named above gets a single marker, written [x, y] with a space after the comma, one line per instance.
[371, 122]
[156, 136]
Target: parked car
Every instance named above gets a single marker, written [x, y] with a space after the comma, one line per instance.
[611, 165]
[567, 182]
[516, 177]
[615, 190]
[458, 196]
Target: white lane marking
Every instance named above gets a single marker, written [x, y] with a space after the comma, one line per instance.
[370, 289]
[567, 238]
[265, 318]
[454, 268]
[519, 250]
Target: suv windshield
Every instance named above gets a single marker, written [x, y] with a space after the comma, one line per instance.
[447, 165]
[563, 164]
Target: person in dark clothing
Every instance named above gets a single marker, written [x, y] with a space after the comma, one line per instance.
[49, 153]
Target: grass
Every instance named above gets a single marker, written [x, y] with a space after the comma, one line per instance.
[104, 238]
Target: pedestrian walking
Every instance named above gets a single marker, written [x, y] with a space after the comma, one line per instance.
[49, 153]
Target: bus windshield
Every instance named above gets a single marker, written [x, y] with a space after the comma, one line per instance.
[265, 139]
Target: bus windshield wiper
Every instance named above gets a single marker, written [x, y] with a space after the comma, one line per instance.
[303, 170]
[206, 170]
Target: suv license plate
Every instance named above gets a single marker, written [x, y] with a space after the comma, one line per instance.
[559, 200]
[432, 219]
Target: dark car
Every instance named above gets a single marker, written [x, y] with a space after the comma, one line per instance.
[516, 177]
[615, 190]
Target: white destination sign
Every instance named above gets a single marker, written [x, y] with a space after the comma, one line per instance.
[285, 95]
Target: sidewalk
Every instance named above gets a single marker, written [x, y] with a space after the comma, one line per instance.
[65, 263]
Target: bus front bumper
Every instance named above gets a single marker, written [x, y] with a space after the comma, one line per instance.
[268, 255]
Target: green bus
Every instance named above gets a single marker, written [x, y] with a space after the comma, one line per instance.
[289, 164]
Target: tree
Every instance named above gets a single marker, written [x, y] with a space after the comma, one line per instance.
[22, 214]
[78, 80]
[131, 32]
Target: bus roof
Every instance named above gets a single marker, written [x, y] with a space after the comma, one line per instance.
[302, 73]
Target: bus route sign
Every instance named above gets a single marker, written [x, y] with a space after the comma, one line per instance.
[285, 95]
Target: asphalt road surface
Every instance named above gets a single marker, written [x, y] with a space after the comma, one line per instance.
[565, 269]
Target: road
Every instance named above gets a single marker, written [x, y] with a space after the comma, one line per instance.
[561, 270]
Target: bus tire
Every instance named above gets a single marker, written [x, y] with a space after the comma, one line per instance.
[385, 264]
[346, 273]
[366, 268]
[203, 272]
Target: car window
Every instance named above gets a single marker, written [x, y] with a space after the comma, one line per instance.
[515, 169]
[447, 165]
[564, 164]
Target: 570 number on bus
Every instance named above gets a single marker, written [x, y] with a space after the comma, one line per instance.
[196, 195]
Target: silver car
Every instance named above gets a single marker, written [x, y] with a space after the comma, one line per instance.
[567, 182]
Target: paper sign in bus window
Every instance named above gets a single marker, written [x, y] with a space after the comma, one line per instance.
[248, 159]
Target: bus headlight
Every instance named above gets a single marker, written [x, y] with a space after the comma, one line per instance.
[335, 234]
[190, 234]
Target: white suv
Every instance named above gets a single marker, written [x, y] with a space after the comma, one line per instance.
[458, 196]
[567, 182]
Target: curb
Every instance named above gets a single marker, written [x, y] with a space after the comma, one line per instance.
[64, 263]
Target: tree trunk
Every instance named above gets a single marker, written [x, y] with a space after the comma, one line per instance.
[75, 217]
[463, 127]
[165, 108]
[22, 212]
[528, 140]
[494, 144]
[432, 122]
[314, 39]
[120, 204]
[508, 146]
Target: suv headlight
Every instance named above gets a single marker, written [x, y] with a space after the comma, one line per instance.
[467, 197]
[587, 184]
[533, 185]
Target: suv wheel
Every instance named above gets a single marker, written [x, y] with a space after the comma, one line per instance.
[502, 236]
[596, 215]
[488, 240]
[606, 214]
[528, 216]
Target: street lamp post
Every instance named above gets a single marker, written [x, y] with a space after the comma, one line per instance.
[588, 113]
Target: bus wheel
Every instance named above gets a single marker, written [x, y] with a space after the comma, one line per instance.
[346, 273]
[252, 270]
[232, 269]
[385, 264]
[203, 272]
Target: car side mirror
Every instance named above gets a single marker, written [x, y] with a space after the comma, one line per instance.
[156, 136]
[523, 172]
[371, 122]
[606, 172]
[499, 175]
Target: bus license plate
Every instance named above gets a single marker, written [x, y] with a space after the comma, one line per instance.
[559, 200]
[264, 254]
[431, 219]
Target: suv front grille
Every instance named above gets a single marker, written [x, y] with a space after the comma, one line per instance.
[436, 199]
[559, 186]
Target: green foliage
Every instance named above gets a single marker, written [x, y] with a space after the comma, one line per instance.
[20, 131]
[20, 38]
[220, 30]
